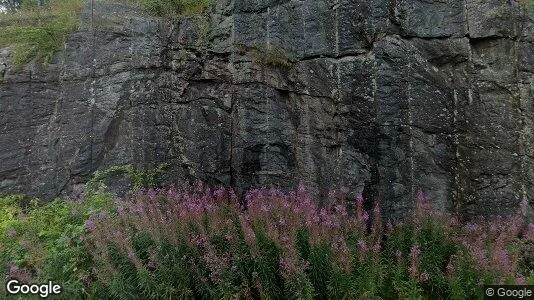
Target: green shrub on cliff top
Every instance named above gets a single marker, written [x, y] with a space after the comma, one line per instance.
[39, 31]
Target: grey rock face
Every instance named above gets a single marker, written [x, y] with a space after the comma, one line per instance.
[382, 97]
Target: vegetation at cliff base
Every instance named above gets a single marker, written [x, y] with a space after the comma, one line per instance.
[198, 242]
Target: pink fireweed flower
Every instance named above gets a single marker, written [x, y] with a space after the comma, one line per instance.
[219, 193]
[301, 189]
[420, 201]
[376, 209]
[152, 194]
[340, 209]
[365, 216]
[359, 200]
[362, 245]
[151, 264]
[13, 270]
[103, 215]
[471, 227]
[502, 258]
[78, 193]
[520, 280]
[264, 208]
[376, 248]
[233, 196]
[424, 277]
[412, 269]
[198, 239]
[136, 209]
[323, 214]
[288, 268]
[415, 251]
[90, 225]
[389, 228]
[285, 239]
[529, 233]
[332, 195]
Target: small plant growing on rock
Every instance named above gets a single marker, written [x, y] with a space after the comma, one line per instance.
[266, 55]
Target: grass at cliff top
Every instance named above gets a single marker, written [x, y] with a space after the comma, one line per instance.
[38, 32]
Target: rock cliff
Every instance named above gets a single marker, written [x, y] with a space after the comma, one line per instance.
[383, 97]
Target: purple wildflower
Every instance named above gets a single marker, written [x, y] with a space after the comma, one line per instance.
[389, 227]
[13, 270]
[362, 245]
[529, 234]
[415, 251]
[376, 248]
[78, 193]
[359, 200]
[365, 216]
[285, 239]
[103, 215]
[424, 277]
[151, 264]
[219, 193]
[340, 209]
[90, 225]
[520, 280]
[287, 267]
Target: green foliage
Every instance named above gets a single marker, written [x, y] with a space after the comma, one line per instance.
[38, 31]
[45, 240]
[139, 178]
[276, 57]
[266, 55]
